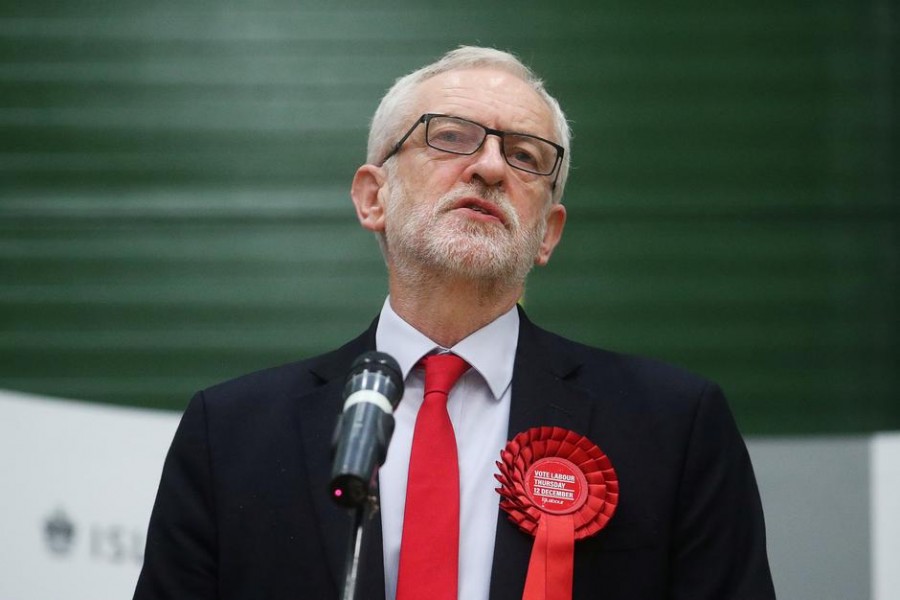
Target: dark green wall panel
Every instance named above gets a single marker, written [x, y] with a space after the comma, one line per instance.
[174, 183]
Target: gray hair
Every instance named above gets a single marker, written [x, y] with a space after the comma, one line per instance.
[393, 112]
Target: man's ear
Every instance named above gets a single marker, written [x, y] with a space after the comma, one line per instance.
[556, 221]
[366, 192]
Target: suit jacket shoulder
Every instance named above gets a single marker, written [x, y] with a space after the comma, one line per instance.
[291, 379]
[593, 366]
[242, 509]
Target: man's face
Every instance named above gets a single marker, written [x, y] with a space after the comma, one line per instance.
[473, 216]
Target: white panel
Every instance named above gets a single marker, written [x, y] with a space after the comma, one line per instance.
[78, 484]
[885, 520]
[815, 493]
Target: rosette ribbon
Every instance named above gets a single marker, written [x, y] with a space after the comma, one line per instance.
[559, 487]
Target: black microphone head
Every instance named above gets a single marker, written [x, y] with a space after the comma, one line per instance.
[373, 389]
[382, 364]
[378, 361]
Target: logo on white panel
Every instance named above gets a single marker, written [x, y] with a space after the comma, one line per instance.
[113, 543]
[59, 532]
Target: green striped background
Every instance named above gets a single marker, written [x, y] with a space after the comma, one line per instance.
[174, 190]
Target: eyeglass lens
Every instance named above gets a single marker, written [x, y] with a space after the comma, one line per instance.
[524, 152]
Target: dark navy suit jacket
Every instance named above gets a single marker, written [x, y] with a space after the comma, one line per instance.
[243, 510]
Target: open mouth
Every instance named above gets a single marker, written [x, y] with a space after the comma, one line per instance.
[487, 210]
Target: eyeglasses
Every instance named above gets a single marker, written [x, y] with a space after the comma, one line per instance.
[456, 135]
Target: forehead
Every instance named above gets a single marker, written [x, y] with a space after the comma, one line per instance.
[490, 96]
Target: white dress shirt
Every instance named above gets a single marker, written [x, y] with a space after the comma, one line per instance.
[479, 410]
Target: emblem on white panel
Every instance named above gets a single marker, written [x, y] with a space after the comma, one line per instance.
[59, 533]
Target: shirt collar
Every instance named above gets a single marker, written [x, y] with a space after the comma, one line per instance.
[491, 350]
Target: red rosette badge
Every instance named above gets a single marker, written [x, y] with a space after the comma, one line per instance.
[558, 486]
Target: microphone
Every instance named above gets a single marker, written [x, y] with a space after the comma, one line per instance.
[364, 429]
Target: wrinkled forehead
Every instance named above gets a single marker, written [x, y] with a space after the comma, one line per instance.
[490, 96]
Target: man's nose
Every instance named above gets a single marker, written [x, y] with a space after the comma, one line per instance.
[488, 163]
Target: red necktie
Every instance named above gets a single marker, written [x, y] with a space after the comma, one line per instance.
[429, 550]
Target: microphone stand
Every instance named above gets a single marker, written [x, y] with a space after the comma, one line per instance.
[361, 514]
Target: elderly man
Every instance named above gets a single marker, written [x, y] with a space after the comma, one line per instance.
[467, 161]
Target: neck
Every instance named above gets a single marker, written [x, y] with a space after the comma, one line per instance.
[448, 309]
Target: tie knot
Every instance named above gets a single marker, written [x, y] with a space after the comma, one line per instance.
[442, 371]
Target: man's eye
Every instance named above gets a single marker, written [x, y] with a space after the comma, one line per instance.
[524, 157]
[447, 135]
[524, 154]
[454, 137]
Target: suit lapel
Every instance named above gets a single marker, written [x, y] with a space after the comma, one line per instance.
[317, 413]
[542, 395]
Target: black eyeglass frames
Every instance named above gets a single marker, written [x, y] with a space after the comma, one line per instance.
[456, 135]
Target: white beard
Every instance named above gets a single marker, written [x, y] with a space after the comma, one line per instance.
[421, 239]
